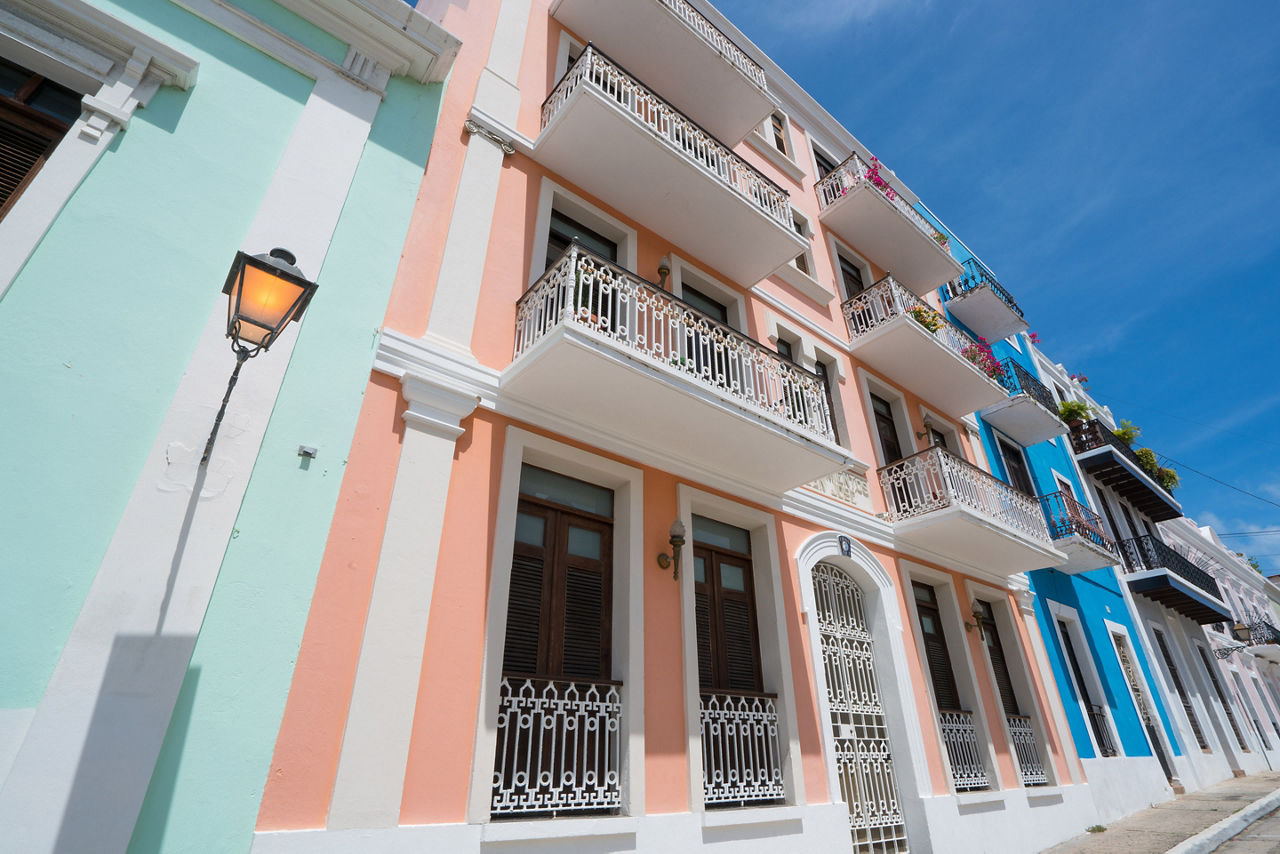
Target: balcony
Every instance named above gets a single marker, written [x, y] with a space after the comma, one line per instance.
[1078, 533]
[939, 502]
[671, 45]
[1161, 574]
[607, 351]
[887, 336]
[559, 747]
[1114, 464]
[1264, 640]
[977, 300]
[741, 762]
[960, 736]
[616, 139]
[1030, 765]
[1028, 415]
[861, 207]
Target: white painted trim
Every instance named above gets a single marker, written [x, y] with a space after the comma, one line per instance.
[707, 284]
[784, 161]
[553, 195]
[1084, 656]
[1113, 629]
[869, 385]
[627, 483]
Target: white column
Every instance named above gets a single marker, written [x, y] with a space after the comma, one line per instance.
[79, 778]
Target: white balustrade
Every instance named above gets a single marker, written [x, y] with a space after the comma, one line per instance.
[935, 479]
[680, 133]
[960, 736]
[855, 173]
[741, 762]
[587, 291]
[845, 485]
[1025, 748]
[558, 747]
[887, 300]
[718, 40]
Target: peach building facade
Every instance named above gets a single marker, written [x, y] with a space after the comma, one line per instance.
[665, 523]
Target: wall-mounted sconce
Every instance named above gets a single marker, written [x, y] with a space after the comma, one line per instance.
[672, 560]
[1242, 632]
[980, 622]
[264, 293]
[927, 433]
[664, 270]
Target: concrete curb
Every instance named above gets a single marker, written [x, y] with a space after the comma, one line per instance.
[1214, 835]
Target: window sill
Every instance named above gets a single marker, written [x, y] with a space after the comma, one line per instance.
[788, 166]
[732, 817]
[808, 286]
[965, 799]
[1036, 792]
[559, 828]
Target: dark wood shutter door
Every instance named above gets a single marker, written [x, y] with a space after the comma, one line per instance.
[584, 614]
[1004, 683]
[944, 683]
[524, 616]
[22, 151]
[739, 645]
[702, 615]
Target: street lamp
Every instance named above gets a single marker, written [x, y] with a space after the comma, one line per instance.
[264, 293]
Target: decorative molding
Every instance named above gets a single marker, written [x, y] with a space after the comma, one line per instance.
[474, 128]
[493, 128]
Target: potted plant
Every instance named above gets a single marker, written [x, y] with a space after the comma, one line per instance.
[1074, 412]
[926, 317]
[1127, 432]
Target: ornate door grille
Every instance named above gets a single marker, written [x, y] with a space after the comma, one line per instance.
[863, 758]
[1149, 721]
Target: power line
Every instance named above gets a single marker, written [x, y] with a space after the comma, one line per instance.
[1223, 482]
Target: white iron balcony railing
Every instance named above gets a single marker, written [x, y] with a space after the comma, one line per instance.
[1028, 753]
[855, 172]
[680, 133]
[711, 34]
[960, 735]
[741, 762]
[559, 745]
[887, 300]
[639, 317]
[935, 479]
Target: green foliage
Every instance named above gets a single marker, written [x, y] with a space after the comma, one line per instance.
[1167, 478]
[1074, 410]
[1127, 432]
[1096, 828]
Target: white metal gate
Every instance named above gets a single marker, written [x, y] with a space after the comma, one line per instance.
[863, 759]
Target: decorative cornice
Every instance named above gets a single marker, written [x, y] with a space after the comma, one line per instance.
[497, 131]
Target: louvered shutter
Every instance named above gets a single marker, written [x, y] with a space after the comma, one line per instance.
[1004, 683]
[23, 150]
[944, 683]
[702, 615]
[524, 616]
[739, 644]
[584, 607]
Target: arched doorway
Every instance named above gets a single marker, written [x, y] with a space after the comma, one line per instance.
[864, 763]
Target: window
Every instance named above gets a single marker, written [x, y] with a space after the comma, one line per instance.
[784, 349]
[801, 262]
[936, 654]
[823, 164]
[820, 368]
[564, 230]
[1015, 466]
[1222, 698]
[558, 615]
[725, 608]
[850, 277]
[705, 304]
[937, 437]
[886, 429]
[1178, 686]
[35, 113]
[778, 132]
[1096, 714]
[1064, 486]
[999, 665]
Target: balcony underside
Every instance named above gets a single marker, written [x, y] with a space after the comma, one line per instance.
[1267, 651]
[869, 222]
[1177, 594]
[1110, 468]
[983, 311]
[905, 352]
[587, 380]
[673, 60]
[1023, 419]
[1083, 555]
[610, 155]
[961, 534]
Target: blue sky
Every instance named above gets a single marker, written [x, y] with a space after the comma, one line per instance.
[1118, 166]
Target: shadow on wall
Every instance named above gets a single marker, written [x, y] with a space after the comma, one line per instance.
[125, 719]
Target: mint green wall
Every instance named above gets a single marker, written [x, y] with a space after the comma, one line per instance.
[208, 782]
[96, 330]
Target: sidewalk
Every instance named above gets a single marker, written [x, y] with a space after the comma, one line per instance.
[1163, 827]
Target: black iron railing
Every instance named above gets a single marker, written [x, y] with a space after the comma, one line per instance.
[1066, 517]
[1018, 380]
[976, 275]
[1263, 632]
[1101, 730]
[1146, 552]
[1095, 434]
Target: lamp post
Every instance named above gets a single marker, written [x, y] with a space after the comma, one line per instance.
[264, 293]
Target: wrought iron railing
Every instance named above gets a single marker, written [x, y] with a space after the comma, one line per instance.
[975, 275]
[585, 290]
[1066, 517]
[681, 134]
[960, 735]
[934, 479]
[1261, 632]
[741, 761]
[1018, 380]
[1146, 552]
[1101, 729]
[559, 746]
[712, 35]
[854, 173]
[887, 300]
[1024, 747]
[845, 485]
[1094, 434]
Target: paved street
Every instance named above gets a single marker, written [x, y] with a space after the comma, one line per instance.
[1156, 830]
